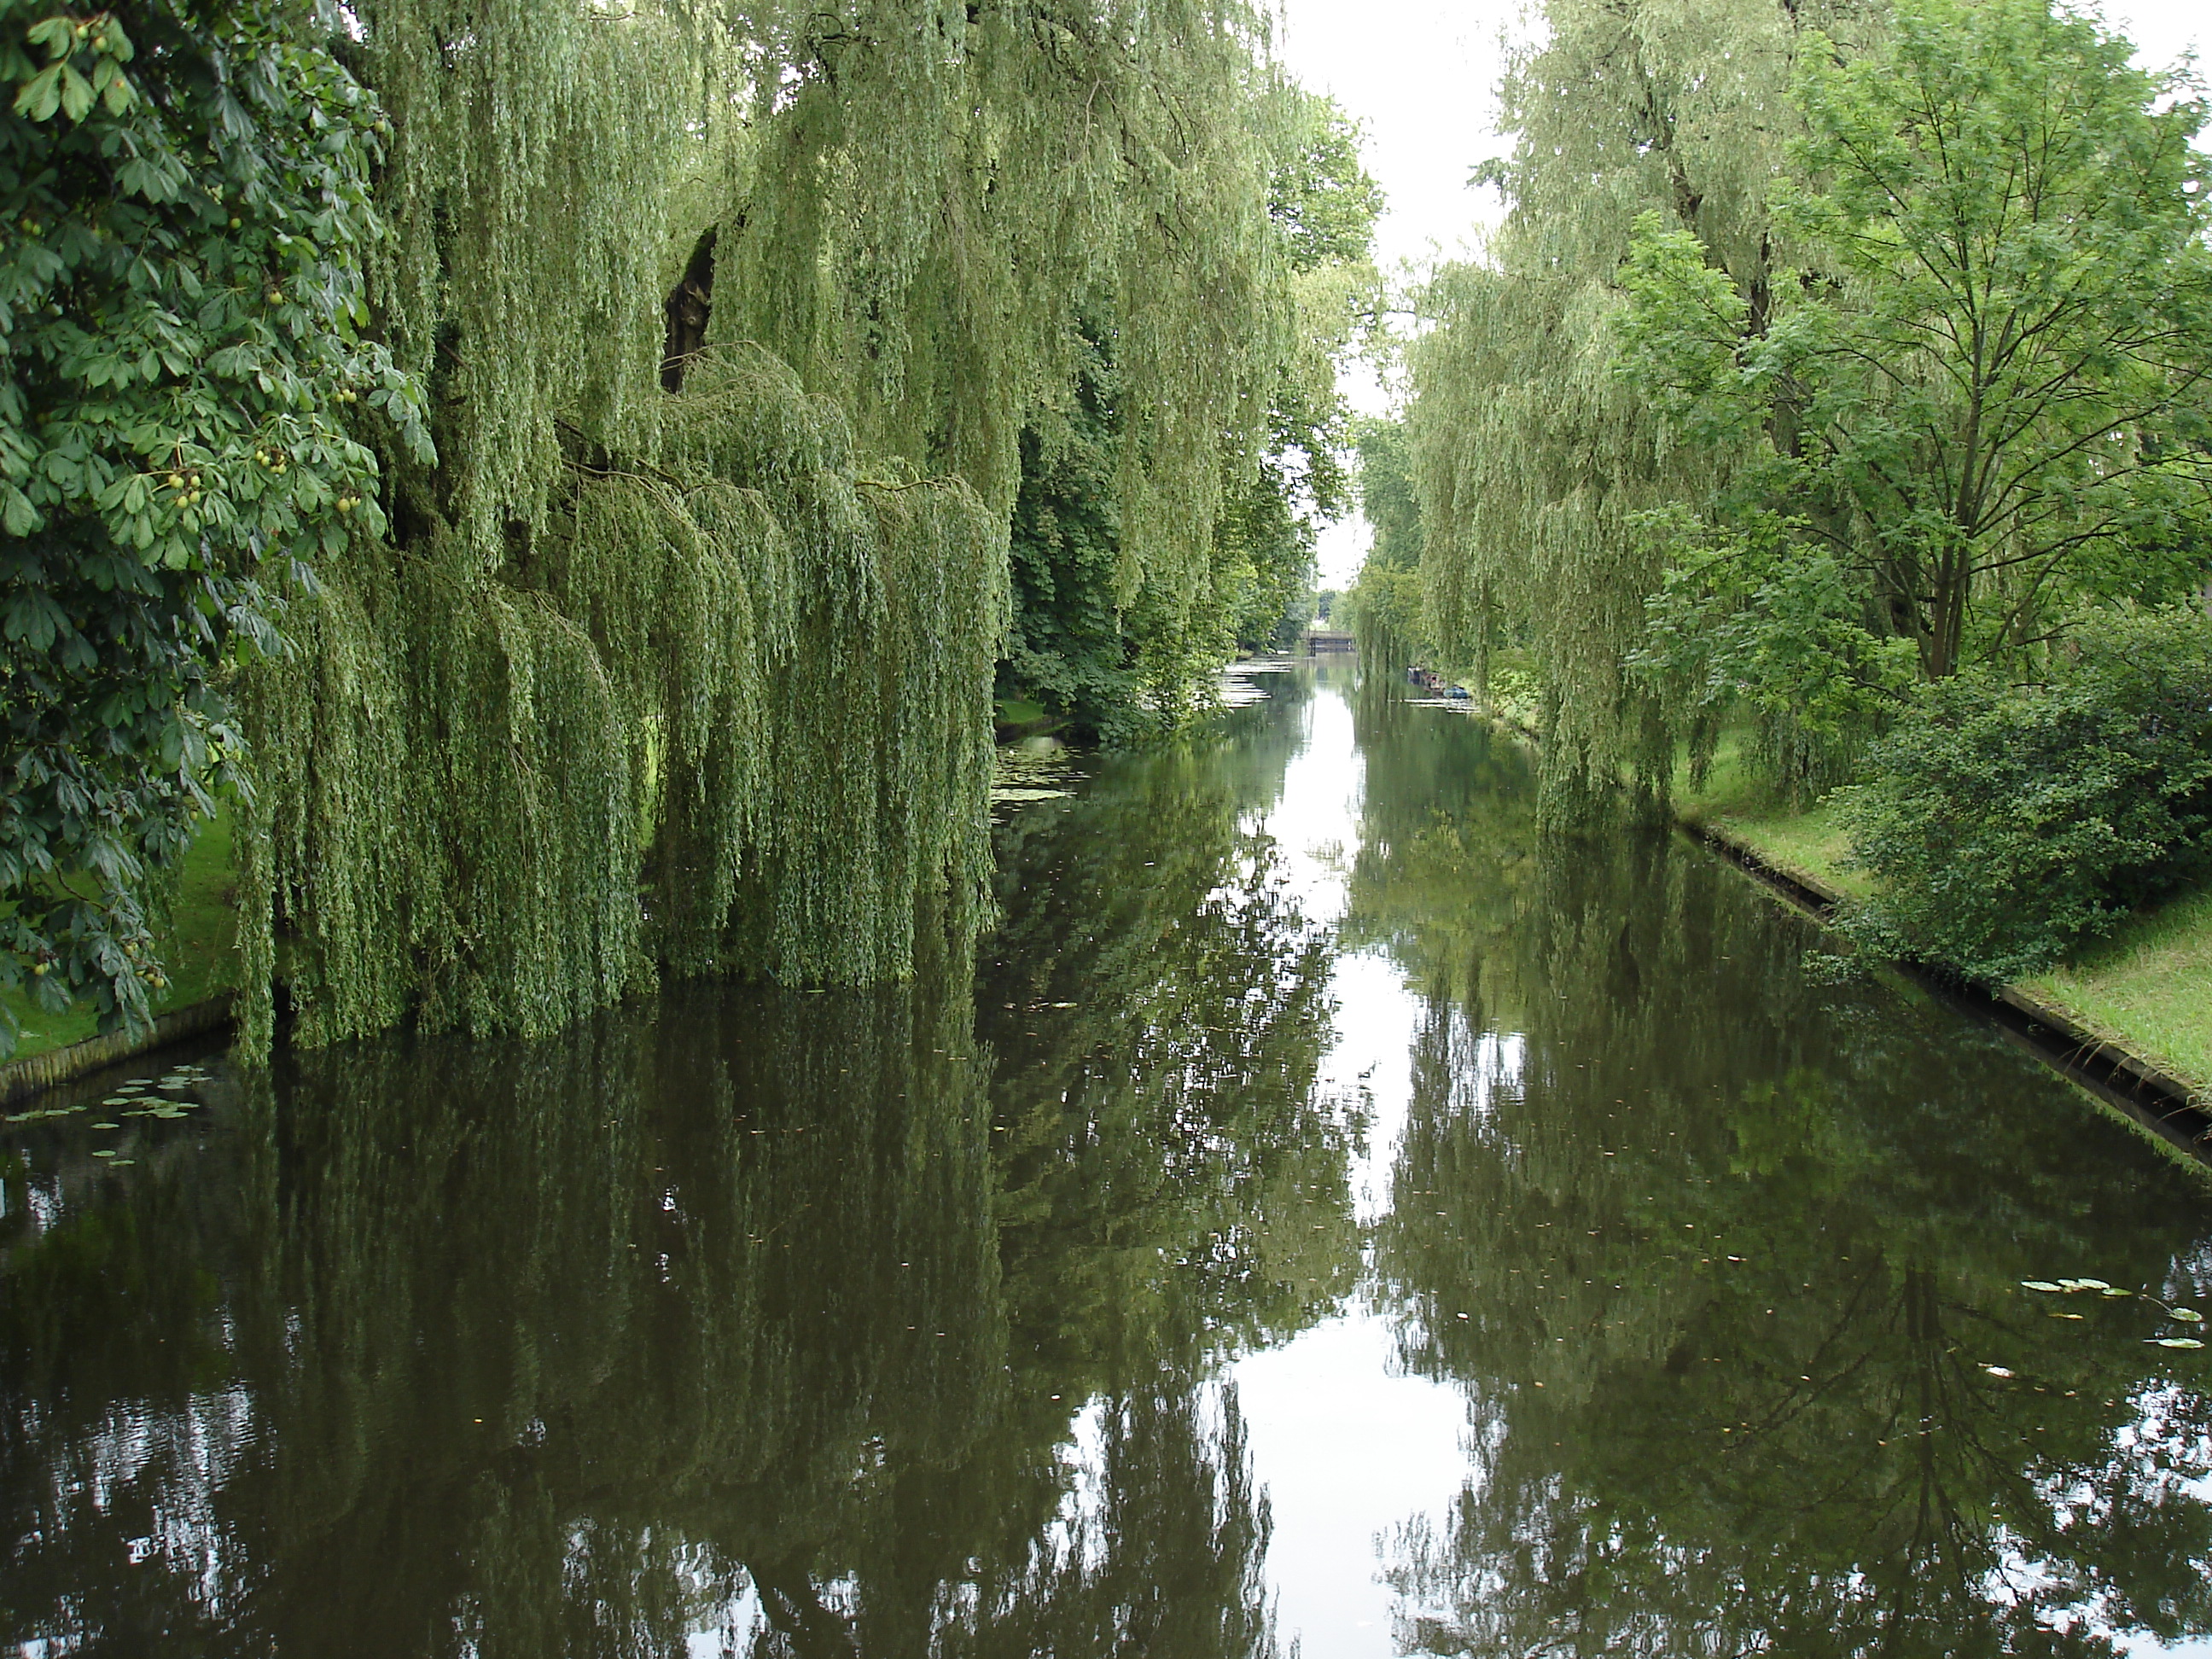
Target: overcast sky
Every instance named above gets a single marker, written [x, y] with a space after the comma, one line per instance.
[1422, 76]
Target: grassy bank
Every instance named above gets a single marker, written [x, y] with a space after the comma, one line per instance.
[197, 949]
[2148, 988]
[1808, 844]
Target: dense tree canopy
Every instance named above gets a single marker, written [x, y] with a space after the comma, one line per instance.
[1982, 393]
[186, 360]
[1096, 635]
[1386, 603]
[1533, 458]
[1822, 350]
[726, 326]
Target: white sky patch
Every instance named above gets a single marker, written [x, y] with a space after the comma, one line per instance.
[1349, 1452]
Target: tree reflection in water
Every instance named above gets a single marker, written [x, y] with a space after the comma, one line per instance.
[778, 1325]
[1728, 1345]
[772, 1324]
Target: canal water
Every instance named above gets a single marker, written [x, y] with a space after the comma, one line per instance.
[1327, 1218]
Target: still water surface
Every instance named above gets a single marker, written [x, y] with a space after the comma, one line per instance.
[1328, 1217]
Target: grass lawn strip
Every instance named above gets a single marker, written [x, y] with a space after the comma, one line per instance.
[2146, 988]
[199, 949]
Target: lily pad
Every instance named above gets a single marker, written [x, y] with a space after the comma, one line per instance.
[2084, 1284]
[2188, 1315]
[2039, 1285]
[2176, 1342]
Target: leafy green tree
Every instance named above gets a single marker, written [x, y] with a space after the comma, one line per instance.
[1094, 635]
[2006, 824]
[1982, 393]
[1068, 643]
[1533, 458]
[1752, 628]
[1386, 602]
[726, 355]
[189, 383]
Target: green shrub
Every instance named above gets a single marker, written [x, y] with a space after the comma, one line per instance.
[2005, 824]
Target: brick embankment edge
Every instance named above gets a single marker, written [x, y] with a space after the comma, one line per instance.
[2174, 1108]
[22, 1079]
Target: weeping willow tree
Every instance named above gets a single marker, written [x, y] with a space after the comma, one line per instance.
[1533, 456]
[943, 196]
[680, 654]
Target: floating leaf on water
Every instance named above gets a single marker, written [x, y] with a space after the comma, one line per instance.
[2189, 1314]
[118, 1100]
[2040, 1284]
[1996, 1371]
[2116, 1290]
[107, 1125]
[2065, 1315]
[103, 1152]
[2176, 1342]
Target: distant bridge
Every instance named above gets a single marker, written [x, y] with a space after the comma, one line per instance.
[1323, 640]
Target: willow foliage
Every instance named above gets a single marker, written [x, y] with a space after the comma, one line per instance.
[1385, 605]
[730, 320]
[1533, 456]
[746, 679]
[944, 192]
